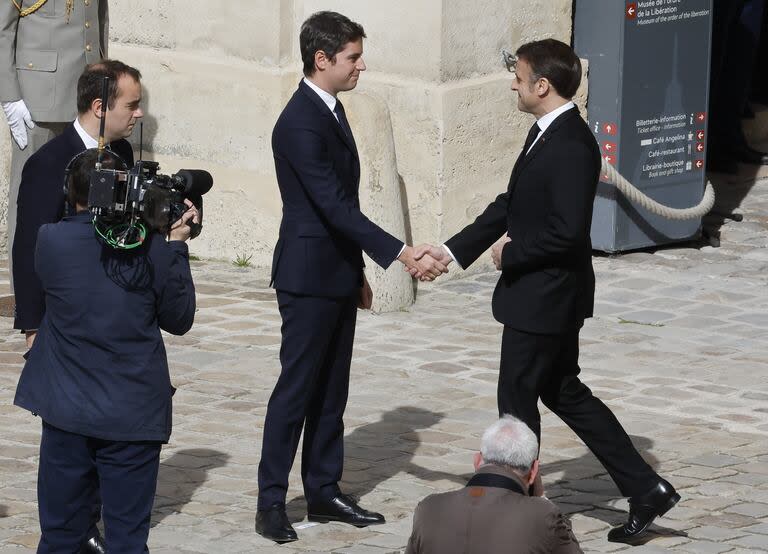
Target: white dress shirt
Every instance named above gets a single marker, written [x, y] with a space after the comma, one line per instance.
[327, 97]
[87, 139]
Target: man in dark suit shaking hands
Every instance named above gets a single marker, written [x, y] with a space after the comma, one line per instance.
[318, 274]
[547, 285]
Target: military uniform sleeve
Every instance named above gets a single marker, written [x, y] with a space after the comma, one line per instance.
[9, 22]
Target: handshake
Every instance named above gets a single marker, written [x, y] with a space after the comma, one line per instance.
[425, 262]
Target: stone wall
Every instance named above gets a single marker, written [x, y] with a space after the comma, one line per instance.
[217, 74]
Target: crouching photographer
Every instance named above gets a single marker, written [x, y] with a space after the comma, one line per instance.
[97, 374]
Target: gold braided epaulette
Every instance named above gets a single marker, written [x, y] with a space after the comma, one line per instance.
[24, 12]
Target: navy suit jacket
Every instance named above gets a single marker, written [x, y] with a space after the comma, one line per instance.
[98, 365]
[323, 232]
[41, 200]
[547, 284]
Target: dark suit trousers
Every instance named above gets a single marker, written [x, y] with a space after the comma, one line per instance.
[311, 392]
[72, 468]
[547, 367]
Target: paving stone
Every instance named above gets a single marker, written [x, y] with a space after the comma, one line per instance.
[715, 460]
[750, 509]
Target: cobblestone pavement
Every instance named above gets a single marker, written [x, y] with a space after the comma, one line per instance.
[677, 349]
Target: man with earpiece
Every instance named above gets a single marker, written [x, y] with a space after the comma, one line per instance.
[41, 198]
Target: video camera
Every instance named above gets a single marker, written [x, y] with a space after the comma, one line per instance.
[125, 203]
[122, 200]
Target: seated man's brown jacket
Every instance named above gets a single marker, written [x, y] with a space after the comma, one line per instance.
[490, 520]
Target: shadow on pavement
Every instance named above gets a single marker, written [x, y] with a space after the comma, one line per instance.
[595, 491]
[730, 192]
[180, 476]
[3, 511]
[378, 451]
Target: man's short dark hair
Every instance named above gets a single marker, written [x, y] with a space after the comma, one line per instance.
[79, 173]
[556, 62]
[329, 32]
[89, 83]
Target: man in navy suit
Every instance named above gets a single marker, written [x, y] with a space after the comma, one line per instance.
[41, 197]
[97, 373]
[547, 285]
[318, 273]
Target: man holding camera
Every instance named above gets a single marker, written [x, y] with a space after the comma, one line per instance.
[41, 198]
[104, 309]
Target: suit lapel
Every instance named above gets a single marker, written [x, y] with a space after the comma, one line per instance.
[539, 145]
[327, 113]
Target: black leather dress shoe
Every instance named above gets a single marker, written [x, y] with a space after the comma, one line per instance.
[643, 510]
[343, 508]
[273, 524]
[94, 545]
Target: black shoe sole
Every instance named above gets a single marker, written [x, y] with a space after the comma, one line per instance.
[329, 519]
[274, 539]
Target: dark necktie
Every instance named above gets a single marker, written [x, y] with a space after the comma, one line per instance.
[532, 134]
[339, 110]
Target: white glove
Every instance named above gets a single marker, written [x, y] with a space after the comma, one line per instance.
[18, 116]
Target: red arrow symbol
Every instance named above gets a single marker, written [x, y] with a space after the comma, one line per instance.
[609, 147]
[699, 164]
[609, 128]
[700, 135]
[610, 159]
[632, 10]
[701, 116]
[699, 147]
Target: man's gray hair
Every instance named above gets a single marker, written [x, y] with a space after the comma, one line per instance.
[510, 442]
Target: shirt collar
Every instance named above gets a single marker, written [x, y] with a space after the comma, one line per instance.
[546, 120]
[327, 97]
[87, 139]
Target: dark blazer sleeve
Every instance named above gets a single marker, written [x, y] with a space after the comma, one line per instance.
[469, 243]
[40, 201]
[308, 156]
[565, 232]
[176, 299]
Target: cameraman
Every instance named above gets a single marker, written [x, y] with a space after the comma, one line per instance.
[41, 198]
[97, 374]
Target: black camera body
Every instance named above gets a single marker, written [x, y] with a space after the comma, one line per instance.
[117, 197]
